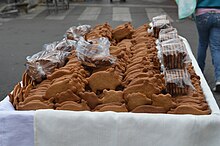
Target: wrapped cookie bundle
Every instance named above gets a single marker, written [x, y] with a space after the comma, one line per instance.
[158, 23]
[177, 81]
[168, 33]
[174, 54]
[76, 32]
[45, 62]
[94, 53]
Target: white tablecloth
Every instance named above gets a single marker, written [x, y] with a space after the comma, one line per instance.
[124, 129]
[56, 128]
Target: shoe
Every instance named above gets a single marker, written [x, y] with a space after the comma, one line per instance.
[217, 87]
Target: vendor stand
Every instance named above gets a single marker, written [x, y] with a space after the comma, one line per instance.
[109, 128]
[61, 127]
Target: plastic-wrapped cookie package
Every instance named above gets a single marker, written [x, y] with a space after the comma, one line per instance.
[160, 17]
[174, 55]
[177, 81]
[168, 33]
[74, 33]
[167, 41]
[63, 45]
[158, 23]
[94, 53]
[44, 63]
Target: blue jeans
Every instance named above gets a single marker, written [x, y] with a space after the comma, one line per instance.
[208, 26]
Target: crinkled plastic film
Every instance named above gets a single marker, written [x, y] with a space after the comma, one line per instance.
[178, 81]
[173, 48]
[174, 55]
[160, 17]
[158, 22]
[161, 24]
[158, 25]
[75, 33]
[171, 41]
[160, 57]
[43, 63]
[63, 45]
[96, 51]
[167, 30]
[166, 34]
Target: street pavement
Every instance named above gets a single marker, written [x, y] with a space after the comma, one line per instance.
[25, 34]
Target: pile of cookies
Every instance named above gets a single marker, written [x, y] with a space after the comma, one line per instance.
[129, 80]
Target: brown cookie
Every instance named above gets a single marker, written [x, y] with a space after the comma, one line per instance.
[112, 96]
[164, 101]
[91, 98]
[115, 108]
[146, 88]
[71, 105]
[34, 105]
[187, 109]
[104, 80]
[148, 109]
[134, 100]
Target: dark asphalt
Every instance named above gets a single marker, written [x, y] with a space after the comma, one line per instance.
[22, 37]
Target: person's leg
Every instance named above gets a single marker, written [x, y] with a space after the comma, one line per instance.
[203, 25]
[215, 45]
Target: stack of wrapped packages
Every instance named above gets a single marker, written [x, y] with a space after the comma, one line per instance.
[143, 70]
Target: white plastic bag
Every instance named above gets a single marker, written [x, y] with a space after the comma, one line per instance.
[185, 8]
